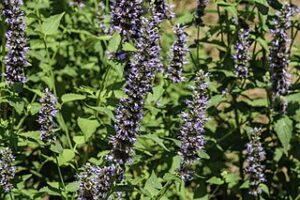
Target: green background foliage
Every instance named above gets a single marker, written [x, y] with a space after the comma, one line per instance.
[68, 52]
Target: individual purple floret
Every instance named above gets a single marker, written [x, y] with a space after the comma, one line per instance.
[201, 5]
[161, 10]
[241, 56]
[7, 169]
[178, 55]
[255, 157]
[95, 182]
[280, 52]
[46, 115]
[191, 132]
[15, 60]
[139, 77]
[126, 18]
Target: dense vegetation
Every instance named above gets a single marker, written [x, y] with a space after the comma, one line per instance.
[149, 99]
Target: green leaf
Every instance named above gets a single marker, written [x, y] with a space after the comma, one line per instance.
[57, 148]
[128, 47]
[284, 129]
[72, 187]
[51, 24]
[114, 43]
[103, 110]
[156, 139]
[215, 181]
[88, 126]
[72, 97]
[65, 157]
[153, 184]
[186, 18]
[79, 140]
[263, 43]
[231, 178]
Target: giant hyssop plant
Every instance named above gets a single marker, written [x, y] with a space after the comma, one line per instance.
[153, 99]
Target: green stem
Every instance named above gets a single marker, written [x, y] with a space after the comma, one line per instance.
[60, 176]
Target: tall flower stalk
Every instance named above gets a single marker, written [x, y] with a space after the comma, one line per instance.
[255, 157]
[15, 60]
[140, 74]
[191, 133]
[279, 55]
[178, 55]
[241, 56]
[46, 114]
[7, 169]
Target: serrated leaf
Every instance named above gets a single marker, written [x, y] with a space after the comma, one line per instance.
[88, 126]
[152, 184]
[51, 24]
[284, 129]
[72, 97]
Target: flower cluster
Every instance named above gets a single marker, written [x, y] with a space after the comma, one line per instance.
[178, 55]
[78, 3]
[139, 77]
[255, 156]
[161, 10]
[191, 133]
[46, 115]
[241, 56]
[15, 60]
[95, 182]
[126, 17]
[280, 52]
[7, 169]
[200, 11]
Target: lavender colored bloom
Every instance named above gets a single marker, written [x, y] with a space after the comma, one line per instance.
[126, 17]
[191, 133]
[200, 11]
[15, 60]
[280, 52]
[178, 55]
[7, 169]
[161, 10]
[255, 156]
[139, 77]
[241, 56]
[46, 115]
[95, 182]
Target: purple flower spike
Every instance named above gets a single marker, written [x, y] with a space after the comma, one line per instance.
[279, 54]
[47, 113]
[241, 56]
[7, 169]
[15, 60]
[126, 17]
[191, 133]
[139, 77]
[178, 55]
[255, 156]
